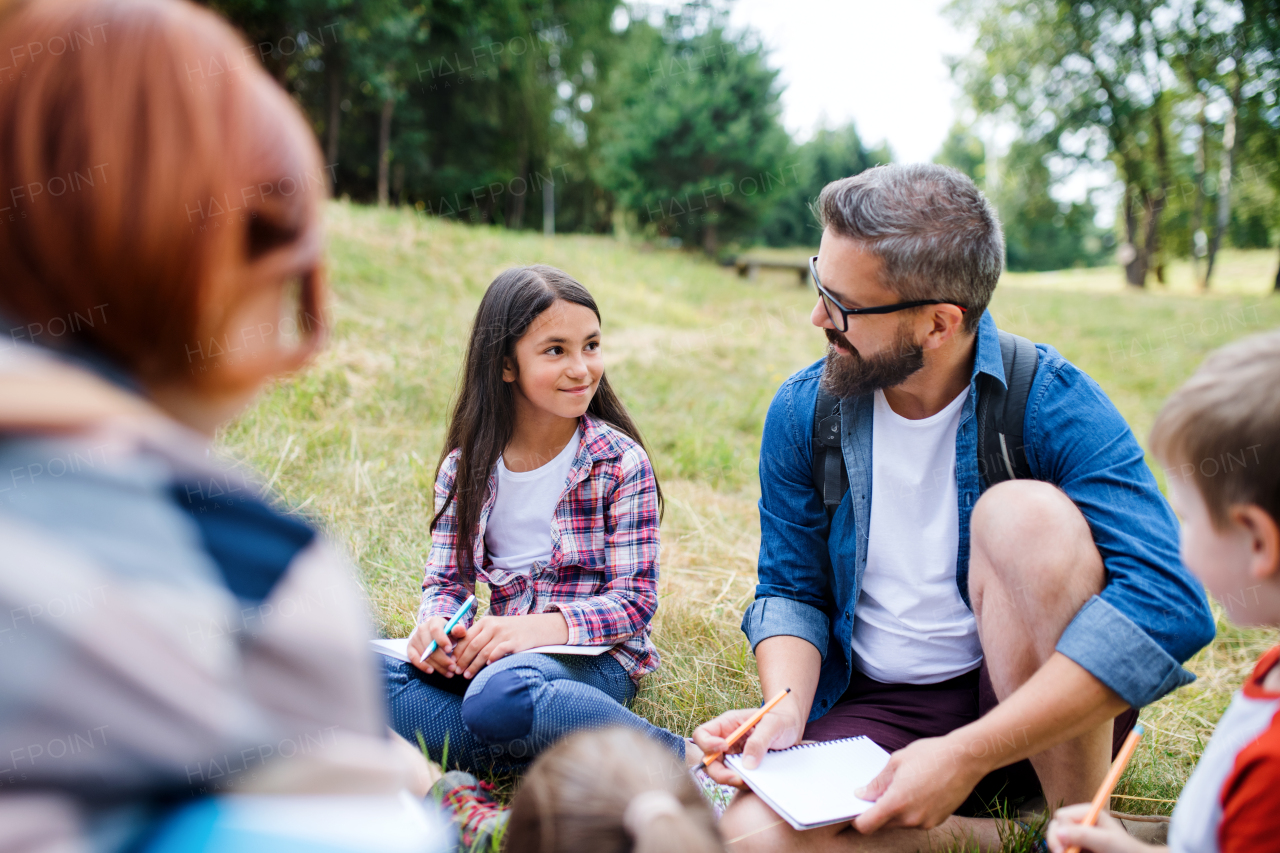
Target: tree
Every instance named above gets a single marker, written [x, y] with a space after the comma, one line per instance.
[695, 149]
[381, 42]
[1209, 45]
[1261, 116]
[1225, 172]
[830, 155]
[1039, 232]
[1228, 53]
[1091, 72]
[963, 150]
[466, 108]
[293, 37]
[1196, 51]
[1118, 80]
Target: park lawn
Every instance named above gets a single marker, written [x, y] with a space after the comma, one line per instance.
[696, 353]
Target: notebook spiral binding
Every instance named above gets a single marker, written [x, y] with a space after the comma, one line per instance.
[821, 743]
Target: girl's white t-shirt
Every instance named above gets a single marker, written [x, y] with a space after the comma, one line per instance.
[910, 624]
[518, 533]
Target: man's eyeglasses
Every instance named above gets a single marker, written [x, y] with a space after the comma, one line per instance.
[840, 315]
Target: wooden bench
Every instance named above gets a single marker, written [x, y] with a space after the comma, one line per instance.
[749, 268]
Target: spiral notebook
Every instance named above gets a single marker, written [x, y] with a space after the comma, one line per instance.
[812, 784]
[399, 649]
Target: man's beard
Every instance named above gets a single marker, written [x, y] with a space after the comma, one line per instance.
[849, 375]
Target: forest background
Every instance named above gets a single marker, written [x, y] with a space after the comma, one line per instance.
[598, 116]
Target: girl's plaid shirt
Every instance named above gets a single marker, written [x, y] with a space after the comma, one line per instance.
[603, 571]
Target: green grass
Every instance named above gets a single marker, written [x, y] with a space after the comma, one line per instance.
[696, 353]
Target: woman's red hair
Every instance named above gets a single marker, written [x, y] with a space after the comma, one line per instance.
[150, 171]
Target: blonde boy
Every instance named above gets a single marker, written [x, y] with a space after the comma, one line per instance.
[1219, 436]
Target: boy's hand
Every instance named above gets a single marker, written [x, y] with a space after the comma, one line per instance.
[492, 638]
[1108, 836]
[440, 660]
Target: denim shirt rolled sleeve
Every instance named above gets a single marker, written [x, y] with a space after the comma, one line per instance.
[1152, 613]
[793, 594]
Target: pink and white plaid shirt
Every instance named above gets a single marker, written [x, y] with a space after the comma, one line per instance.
[603, 571]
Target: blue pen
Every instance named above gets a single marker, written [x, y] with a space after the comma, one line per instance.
[449, 626]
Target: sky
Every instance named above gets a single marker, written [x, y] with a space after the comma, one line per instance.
[882, 65]
[879, 63]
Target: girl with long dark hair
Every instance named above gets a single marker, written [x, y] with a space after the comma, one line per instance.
[545, 493]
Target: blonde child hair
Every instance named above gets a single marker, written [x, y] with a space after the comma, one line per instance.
[610, 791]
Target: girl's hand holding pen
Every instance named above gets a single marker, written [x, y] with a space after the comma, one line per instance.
[441, 660]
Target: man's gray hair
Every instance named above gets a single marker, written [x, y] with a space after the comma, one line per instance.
[938, 236]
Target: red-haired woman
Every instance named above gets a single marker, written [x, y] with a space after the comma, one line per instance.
[164, 631]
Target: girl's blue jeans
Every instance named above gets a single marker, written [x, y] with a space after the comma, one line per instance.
[514, 708]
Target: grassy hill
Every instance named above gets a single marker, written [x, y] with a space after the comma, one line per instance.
[696, 353]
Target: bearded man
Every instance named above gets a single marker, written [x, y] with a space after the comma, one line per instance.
[997, 640]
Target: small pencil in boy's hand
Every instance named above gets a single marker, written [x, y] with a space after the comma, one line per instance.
[1103, 797]
[708, 760]
[449, 626]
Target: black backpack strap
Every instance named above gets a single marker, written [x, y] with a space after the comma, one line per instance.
[829, 475]
[1001, 411]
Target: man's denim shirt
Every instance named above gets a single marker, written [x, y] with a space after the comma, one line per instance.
[1152, 614]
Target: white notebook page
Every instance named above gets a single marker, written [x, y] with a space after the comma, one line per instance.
[813, 784]
[399, 649]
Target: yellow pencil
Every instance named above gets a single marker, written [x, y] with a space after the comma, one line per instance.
[746, 727]
[1103, 797]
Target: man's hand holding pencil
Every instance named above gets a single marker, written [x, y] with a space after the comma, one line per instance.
[775, 725]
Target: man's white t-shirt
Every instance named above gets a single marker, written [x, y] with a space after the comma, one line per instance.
[910, 624]
[518, 533]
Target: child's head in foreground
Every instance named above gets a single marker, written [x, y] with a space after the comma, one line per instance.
[1218, 437]
[609, 791]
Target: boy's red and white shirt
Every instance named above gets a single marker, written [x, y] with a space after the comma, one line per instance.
[603, 571]
[1232, 801]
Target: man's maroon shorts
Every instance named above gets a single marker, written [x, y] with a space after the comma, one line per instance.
[894, 715]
